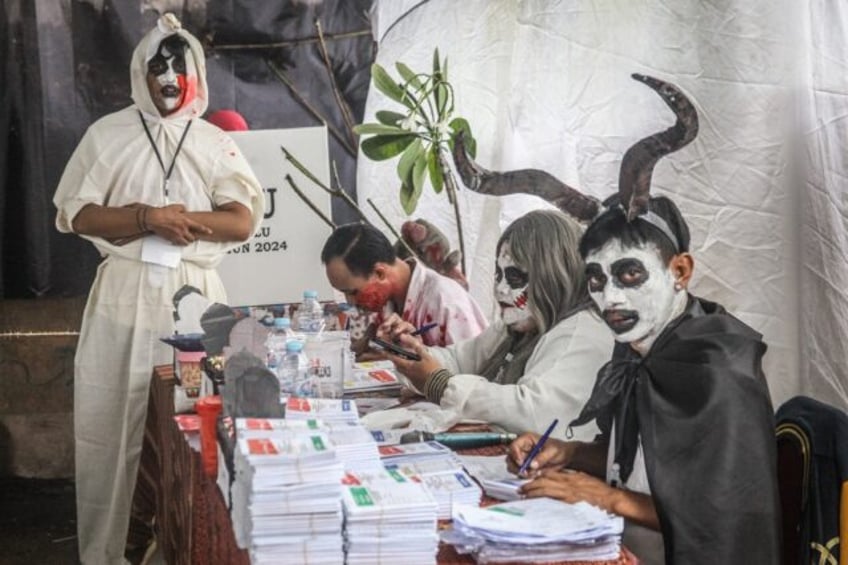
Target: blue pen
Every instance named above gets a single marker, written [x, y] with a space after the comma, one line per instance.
[537, 448]
[424, 329]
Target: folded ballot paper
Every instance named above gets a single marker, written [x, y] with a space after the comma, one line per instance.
[389, 518]
[535, 530]
[326, 409]
[372, 376]
[492, 474]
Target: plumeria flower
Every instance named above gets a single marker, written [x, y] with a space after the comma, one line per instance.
[409, 123]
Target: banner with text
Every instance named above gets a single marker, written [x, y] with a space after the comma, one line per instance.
[284, 258]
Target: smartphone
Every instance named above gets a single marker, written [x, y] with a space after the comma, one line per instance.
[396, 349]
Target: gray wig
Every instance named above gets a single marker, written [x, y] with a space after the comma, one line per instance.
[545, 244]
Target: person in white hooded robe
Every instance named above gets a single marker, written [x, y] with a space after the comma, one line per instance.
[163, 195]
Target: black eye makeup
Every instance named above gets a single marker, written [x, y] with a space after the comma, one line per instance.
[629, 272]
[595, 277]
[516, 278]
[157, 65]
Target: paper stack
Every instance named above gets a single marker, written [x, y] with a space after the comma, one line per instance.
[536, 530]
[372, 376]
[329, 410]
[492, 474]
[447, 483]
[286, 498]
[408, 453]
[389, 519]
[355, 446]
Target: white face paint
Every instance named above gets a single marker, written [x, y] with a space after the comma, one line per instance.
[634, 291]
[511, 291]
[167, 77]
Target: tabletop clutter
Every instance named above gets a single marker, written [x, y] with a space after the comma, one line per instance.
[278, 402]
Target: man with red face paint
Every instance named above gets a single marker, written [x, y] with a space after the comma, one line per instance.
[163, 195]
[361, 263]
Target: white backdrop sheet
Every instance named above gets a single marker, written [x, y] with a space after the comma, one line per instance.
[547, 85]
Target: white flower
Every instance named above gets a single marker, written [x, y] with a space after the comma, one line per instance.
[409, 123]
[444, 129]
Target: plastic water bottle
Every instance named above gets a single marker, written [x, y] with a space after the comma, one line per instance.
[276, 342]
[293, 372]
[311, 313]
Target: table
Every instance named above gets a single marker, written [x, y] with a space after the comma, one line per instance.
[184, 507]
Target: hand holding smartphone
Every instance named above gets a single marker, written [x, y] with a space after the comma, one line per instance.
[394, 349]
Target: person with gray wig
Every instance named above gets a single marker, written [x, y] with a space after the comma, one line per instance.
[538, 361]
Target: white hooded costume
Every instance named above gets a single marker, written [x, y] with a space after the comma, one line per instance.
[130, 304]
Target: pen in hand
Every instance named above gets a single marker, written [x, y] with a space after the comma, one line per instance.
[537, 448]
[424, 329]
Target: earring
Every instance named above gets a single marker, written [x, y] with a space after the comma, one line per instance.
[678, 285]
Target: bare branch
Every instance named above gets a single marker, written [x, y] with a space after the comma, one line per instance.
[310, 108]
[309, 202]
[293, 43]
[337, 94]
[393, 230]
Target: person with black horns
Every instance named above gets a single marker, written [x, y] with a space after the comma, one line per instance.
[687, 451]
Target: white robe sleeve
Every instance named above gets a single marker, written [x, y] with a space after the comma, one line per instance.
[78, 187]
[558, 380]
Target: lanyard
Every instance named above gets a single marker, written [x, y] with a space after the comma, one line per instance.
[159, 157]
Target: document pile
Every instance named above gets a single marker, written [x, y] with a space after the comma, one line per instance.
[389, 518]
[354, 445]
[447, 483]
[372, 376]
[329, 410]
[492, 474]
[438, 468]
[536, 530]
[286, 498]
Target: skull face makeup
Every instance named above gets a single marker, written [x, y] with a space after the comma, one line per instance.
[511, 284]
[170, 75]
[635, 292]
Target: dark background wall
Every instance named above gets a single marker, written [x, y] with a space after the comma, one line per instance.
[64, 64]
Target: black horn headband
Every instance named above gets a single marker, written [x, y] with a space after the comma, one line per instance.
[634, 180]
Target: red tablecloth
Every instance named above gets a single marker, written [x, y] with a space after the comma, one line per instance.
[184, 507]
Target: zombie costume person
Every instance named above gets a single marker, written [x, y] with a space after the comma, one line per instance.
[688, 433]
[538, 361]
[163, 195]
[362, 264]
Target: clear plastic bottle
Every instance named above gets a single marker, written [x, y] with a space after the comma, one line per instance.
[275, 345]
[311, 313]
[293, 372]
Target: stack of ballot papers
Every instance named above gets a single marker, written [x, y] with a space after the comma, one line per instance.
[355, 446]
[372, 376]
[492, 474]
[447, 483]
[286, 497]
[389, 518]
[405, 453]
[536, 530]
[328, 410]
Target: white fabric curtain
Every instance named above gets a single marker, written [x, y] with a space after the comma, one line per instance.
[547, 85]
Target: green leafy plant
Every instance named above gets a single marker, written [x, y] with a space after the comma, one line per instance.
[422, 133]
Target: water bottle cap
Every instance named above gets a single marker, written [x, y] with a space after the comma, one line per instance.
[294, 345]
[283, 323]
[310, 294]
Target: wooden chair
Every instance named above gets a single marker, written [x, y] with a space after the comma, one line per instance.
[812, 452]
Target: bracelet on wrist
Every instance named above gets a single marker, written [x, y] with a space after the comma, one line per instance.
[435, 385]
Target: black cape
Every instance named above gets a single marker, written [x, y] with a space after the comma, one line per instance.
[701, 406]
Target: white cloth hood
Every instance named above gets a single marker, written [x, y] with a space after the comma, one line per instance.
[166, 26]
